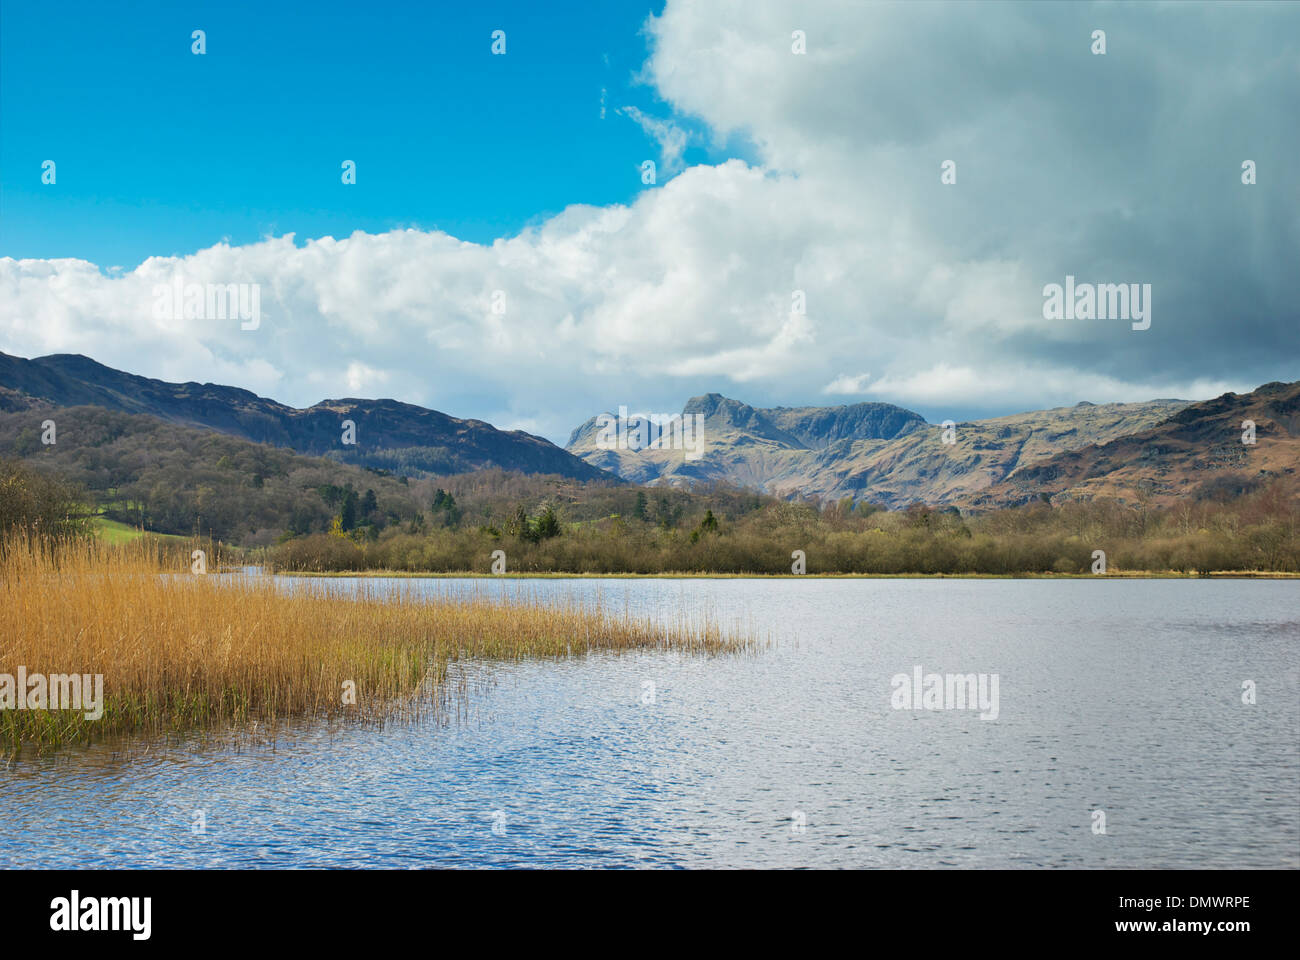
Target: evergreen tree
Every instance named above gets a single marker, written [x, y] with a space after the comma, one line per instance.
[548, 524]
[348, 511]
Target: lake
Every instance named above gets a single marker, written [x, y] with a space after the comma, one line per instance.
[1122, 698]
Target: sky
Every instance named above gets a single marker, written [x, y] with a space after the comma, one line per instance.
[503, 254]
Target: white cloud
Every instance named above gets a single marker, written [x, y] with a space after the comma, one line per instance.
[362, 378]
[847, 385]
[670, 137]
[1018, 388]
[688, 288]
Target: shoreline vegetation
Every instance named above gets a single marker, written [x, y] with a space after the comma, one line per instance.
[181, 652]
[690, 575]
[726, 533]
[547, 526]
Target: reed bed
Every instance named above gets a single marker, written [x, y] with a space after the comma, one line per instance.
[181, 652]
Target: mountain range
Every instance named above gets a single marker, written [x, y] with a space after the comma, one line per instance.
[1158, 450]
[399, 437]
[1216, 449]
[1152, 451]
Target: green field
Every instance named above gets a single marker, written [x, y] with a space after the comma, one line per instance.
[114, 532]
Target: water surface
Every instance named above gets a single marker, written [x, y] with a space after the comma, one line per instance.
[1123, 696]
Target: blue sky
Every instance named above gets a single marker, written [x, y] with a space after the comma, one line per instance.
[162, 152]
[789, 173]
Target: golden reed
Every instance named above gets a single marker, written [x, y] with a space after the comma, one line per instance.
[180, 652]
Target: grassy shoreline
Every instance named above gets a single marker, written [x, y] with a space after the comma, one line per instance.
[695, 575]
[179, 652]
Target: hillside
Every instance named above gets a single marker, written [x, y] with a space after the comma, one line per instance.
[1196, 454]
[396, 436]
[144, 472]
[166, 478]
[867, 451]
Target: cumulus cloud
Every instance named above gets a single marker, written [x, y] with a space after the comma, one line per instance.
[953, 387]
[1122, 168]
[846, 385]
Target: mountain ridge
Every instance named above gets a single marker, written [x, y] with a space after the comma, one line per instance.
[1198, 453]
[868, 451]
[389, 433]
